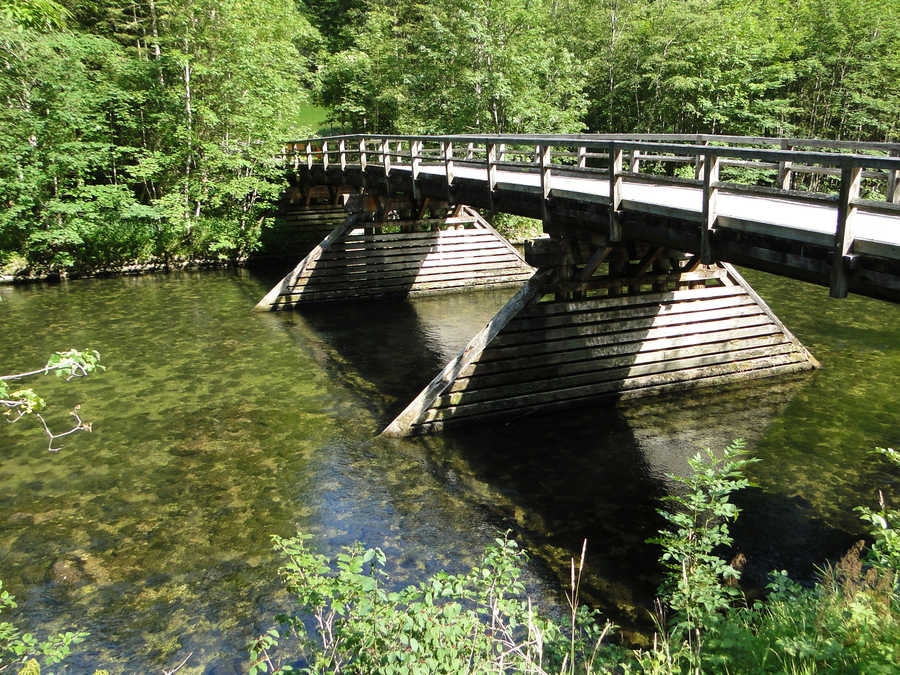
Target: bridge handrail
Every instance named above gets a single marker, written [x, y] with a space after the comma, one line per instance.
[785, 160]
[707, 157]
[787, 143]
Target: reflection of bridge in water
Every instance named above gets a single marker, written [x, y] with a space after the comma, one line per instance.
[634, 294]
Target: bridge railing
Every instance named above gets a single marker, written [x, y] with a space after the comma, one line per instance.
[653, 158]
[844, 174]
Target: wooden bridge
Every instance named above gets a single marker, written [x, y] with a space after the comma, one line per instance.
[634, 293]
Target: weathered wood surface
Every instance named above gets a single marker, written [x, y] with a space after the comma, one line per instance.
[539, 354]
[458, 253]
[793, 225]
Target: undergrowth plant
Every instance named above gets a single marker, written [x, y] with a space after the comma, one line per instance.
[478, 622]
[22, 652]
[699, 585]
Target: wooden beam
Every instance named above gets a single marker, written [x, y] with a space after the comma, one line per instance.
[447, 154]
[492, 167]
[710, 203]
[785, 175]
[595, 261]
[615, 192]
[893, 182]
[419, 406]
[546, 177]
[843, 239]
[700, 161]
[386, 157]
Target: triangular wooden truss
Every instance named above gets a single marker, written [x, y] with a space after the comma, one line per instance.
[364, 260]
[705, 327]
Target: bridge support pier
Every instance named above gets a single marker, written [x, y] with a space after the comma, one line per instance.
[387, 247]
[610, 323]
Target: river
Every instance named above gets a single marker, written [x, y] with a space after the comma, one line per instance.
[216, 427]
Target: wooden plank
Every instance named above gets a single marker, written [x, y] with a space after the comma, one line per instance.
[599, 304]
[423, 250]
[455, 255]
[642, 335]
[723, 351]
[290, 278]
[413, 413]
[461, 257]
[316, 283]
[687, 320]
[477, 393]
[593, 390]
[712, 342]
[551, 321]
[435, 239]
[437, 425]
[358, 290]
[336, 266]
[416, 263]
[357, 271]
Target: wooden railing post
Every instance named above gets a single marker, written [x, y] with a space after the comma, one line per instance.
[700, 160]
[536, 158]
[470, 151]
[309, 156]
[785, 175]
[710, 198]
[582, 157]
[447, 154]
[362, 154]
[635, 166]
[295, 156]
[546, 177]
[415, 149]
[325, 155]
[501, 152]
[615, 192]
[492, 166]
[893, 182]
[342, 152]
[851, 178]
[386, 156]
[416, 161]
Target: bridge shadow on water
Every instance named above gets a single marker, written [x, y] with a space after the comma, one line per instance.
[598, 471]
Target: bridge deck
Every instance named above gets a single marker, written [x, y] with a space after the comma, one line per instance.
[770, 209]
[812, 223]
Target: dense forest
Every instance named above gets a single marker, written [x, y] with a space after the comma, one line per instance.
[146, 129]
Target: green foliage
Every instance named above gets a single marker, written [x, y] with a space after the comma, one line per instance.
[24, 649]
[456, 67]
[149, 132]
[474, 622]
[19, 403]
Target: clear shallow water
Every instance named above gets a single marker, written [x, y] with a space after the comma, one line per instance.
[216, 426]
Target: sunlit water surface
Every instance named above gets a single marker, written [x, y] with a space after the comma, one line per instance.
[216, 427]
